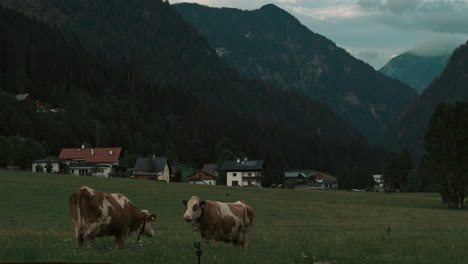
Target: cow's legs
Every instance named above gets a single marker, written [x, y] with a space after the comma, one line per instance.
[86, 241]
[79, 237]
[119, 241]
[246, 239]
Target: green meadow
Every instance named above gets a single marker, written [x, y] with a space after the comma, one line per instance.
[289, 226]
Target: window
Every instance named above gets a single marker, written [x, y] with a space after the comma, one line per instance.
[249, 183]
[234, 174]
[235, 183]
[250, 175]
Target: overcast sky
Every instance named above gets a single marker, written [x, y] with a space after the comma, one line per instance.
[375, 30]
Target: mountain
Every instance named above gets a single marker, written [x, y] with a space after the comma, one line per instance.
[450, 86]
[271, 45]
[415, 70]
[187, 112]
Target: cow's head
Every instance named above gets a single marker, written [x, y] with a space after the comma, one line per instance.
[194, 209]
[146, 227]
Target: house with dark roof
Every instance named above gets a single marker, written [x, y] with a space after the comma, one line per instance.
[243, 172]
[211, 169]
[98, 162]
[152, 169]
[202, 177]
[299, 177]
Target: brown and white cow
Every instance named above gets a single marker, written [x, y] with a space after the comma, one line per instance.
[228, 222]
[97, 214]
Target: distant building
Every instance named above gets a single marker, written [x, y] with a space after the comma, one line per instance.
[379, 181]
[243, 173]
[210, 169]
[99, 162]
[23, 97]
[202, 177]
[299, 177]
[41, 166]
[26, 101]
[313, 178]
[152, 169]
[325, 181]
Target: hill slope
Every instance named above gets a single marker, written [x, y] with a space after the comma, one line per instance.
[414, 70]
[450, 86]
[271, 45]
[111, 105]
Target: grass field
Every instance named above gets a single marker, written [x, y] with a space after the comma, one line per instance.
[289, 226]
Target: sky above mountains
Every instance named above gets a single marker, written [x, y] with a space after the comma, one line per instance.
[375, 30]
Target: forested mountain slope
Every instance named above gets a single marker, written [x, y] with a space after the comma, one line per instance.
[113, 106]
[271, 45]
[452, 85]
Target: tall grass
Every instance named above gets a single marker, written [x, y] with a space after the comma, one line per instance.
[289, 226]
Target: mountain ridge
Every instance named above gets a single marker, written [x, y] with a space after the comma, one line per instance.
[415, 70]
[281, 51]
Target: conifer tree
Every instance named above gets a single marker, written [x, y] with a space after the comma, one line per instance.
[446, 152]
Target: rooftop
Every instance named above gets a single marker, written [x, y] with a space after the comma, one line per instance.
[91, 155]
[238, 165]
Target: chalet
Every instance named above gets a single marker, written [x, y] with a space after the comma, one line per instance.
[43, 165]
[243, 173]
[325, 181]
[202, 177]
[98, 162]
[299, 177]
[26, 101]
[211, 169]
[152, 169]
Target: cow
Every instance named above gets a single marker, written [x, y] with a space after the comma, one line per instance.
[97, 214]
[227, 222]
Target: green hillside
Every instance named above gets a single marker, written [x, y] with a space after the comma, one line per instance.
[289, 226]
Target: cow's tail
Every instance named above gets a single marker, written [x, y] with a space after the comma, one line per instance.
[249, 213]
[74, 204]
[77, 202]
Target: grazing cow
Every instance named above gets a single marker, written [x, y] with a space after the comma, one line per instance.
[96, 214]
[228, 222]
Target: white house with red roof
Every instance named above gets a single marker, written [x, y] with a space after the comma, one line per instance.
[91, 161]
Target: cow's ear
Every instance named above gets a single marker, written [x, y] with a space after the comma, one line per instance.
[202, 204]
[185, 202]
[151, 217]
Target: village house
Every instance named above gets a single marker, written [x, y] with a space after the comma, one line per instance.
[202, 177]
[43, 165]
[379, 180]
[299, 177]
[99, 162]
[243, 173]
[211, 169]
[312, 178]
[325, 181]
[152, 169]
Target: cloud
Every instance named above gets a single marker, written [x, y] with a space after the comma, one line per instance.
[331, 12]
[367, 55]
[444, 16]
[438, 47]
[241, 4]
